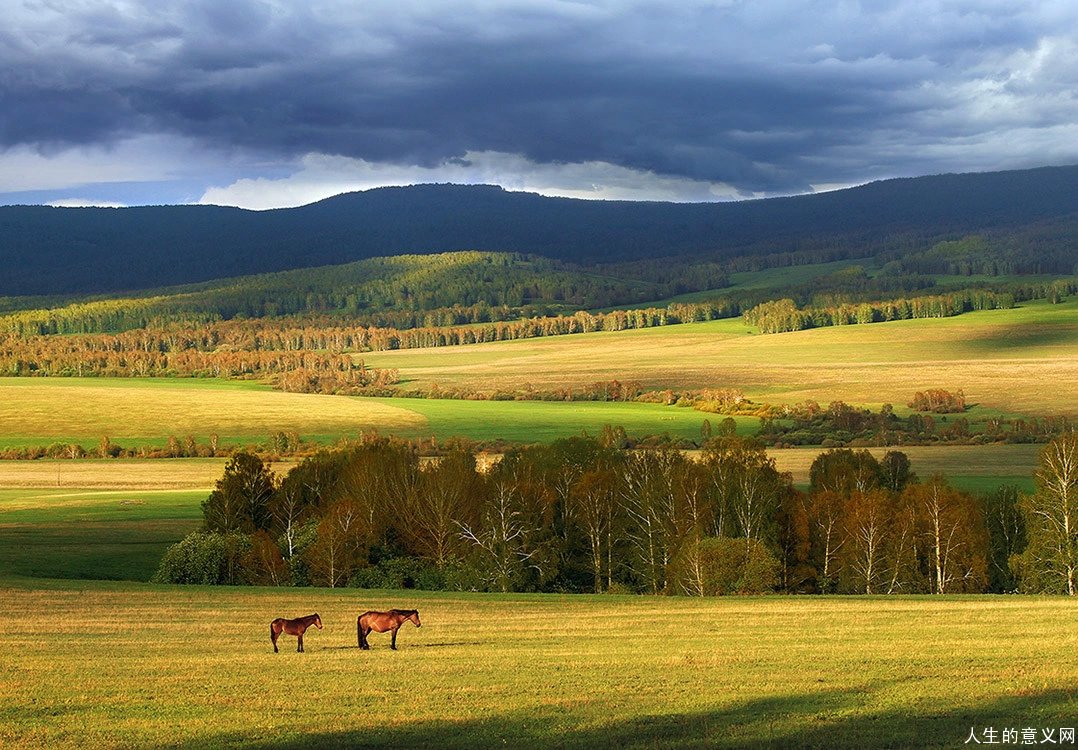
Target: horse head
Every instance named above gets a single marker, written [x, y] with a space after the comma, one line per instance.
[317, 621]
[414, 617]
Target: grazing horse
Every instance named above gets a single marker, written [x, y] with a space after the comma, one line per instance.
[293, 627]
[380, 622]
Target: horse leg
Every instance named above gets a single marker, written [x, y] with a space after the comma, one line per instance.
[300, 648]
[363, 638]
[393, 645]
[273, 638]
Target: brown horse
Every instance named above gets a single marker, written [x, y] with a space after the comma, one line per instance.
[380, 622]
[293, 627]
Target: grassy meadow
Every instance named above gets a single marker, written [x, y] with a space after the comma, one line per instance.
[95, 657]
[1011, 362]
[92, 534]
[133, 412]
[974, 468]
[133, 665]
[1023, 360]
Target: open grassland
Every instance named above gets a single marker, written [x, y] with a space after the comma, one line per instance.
[975, 468]
[146, 411]
[1023, 360]
[541, 421]
[92, 534]
[130, 665]
[110, 519]
[40, 410]
[113, 474]
[121, 664]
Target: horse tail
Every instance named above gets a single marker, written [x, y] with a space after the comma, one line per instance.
[359, 630]
[272, 631]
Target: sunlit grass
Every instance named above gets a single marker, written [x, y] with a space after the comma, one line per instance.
[137, 410]
[134, 665]
[1023, 360]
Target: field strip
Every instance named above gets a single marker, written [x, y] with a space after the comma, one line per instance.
[119, 474]
[54, 408]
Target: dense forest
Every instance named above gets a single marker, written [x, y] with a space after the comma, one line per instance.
[49, 251]
[583, 515]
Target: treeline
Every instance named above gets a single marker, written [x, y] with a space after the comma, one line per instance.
[450, 289]
[841, 424]
[277, 444]
[238, 348]
[1045, 247]
[783, 315]
[241, 347]
[581, 515]
[177, 354]
[404, 291]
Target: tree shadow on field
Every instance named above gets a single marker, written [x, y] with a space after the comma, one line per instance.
[1021, 336]
[816, 720]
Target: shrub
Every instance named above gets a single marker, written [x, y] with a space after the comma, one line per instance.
[205, 558]
[400, 573]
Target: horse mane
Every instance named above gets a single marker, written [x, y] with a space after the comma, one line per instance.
[404, 612]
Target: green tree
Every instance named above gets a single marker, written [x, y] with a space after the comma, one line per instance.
[954, 538]
[895, 472]
[1050, 562]
[714, 566]
[241, 500]
[844, 471]
[1006, 537]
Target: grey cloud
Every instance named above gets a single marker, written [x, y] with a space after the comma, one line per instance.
[767, 97]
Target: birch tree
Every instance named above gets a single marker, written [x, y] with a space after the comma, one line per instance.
[1051, 512]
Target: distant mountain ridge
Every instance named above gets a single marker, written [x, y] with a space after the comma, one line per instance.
[46, 250]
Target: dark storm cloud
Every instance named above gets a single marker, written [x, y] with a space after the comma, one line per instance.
[766, 97]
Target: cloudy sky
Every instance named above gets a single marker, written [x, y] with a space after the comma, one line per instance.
[265, 103]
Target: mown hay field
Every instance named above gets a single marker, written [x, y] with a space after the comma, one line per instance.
[132, 665]
[1023, 360]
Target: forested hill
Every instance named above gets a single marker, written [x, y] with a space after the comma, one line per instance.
[91, 250]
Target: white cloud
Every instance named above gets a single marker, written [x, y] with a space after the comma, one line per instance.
[140, 159]
[84, 203]
[320, 176]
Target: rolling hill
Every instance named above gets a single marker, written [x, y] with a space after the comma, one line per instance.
[48, 250]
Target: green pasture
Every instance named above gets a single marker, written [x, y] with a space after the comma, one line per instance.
[145, 411]
[92, 664]
[1010, 362]
[136, 412]
[93, 534]
[768, 278]
[543, 421]
[1018, 361]
[979, 469]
